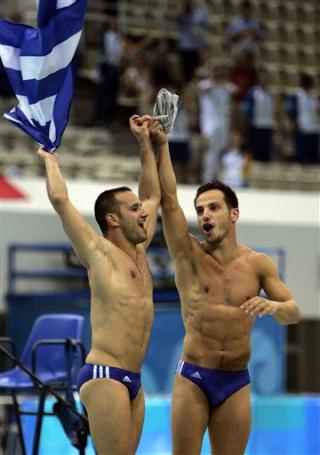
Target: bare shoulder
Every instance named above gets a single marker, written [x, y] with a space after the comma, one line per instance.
[103, 248]
[195, 241]
[260, 261]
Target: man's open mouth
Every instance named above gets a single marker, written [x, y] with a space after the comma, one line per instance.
[207, 227]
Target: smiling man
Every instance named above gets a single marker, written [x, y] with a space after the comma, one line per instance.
[121, 295]
[219, 283]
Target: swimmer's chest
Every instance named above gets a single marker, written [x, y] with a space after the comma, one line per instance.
[121, 275]
[230, 284]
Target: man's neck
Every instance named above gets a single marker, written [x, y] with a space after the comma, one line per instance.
[123, 244]
[224, 252]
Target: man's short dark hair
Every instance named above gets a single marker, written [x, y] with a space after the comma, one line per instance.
[105, 203]
[230, 196]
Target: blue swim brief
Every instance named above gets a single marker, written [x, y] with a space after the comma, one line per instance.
[128, 378]
[217, 385]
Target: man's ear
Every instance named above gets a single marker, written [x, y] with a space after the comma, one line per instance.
[112, 219]
[234, 215]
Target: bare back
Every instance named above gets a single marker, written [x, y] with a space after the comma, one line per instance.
[121, 306]
[217, 331]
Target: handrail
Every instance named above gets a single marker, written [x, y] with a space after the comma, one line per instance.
[42, 385]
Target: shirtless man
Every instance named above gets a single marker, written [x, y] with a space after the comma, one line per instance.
[121, 295]
[219, 282]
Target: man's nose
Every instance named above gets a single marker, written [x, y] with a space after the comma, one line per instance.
[205, 215]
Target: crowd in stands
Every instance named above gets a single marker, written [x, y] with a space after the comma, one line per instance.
[227, 106]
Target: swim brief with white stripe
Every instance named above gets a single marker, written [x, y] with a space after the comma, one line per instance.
[129, 379]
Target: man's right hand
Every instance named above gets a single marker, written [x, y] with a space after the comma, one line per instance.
[43, 155]
[139, 126]
[157, 134]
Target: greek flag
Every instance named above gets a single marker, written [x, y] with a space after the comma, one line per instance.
[38, 62]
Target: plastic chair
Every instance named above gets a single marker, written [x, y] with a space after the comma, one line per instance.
[54, 353]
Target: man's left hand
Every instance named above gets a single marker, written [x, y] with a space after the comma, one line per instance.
[139, 126]
[157, 134]
[258, 306]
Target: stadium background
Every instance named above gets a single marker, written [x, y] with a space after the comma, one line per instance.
[284, 360]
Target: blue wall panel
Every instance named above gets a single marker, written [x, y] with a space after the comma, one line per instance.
[267, 365]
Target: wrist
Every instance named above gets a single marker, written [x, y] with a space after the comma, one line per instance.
[50, 160]
[275, 308]
[143, 140]
[51, 156]
[163, 145]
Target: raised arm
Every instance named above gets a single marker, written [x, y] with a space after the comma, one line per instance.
[174, 221]
[280, 303]
[149, 186]
[82, 236]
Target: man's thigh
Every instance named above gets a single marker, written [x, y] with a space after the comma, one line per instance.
[190, 413]
[230, 424]
[137, 418]
[108, 406]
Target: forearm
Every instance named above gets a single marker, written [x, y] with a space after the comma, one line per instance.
[56, 187]
[149, 185]
[287, 312]
[168, 182]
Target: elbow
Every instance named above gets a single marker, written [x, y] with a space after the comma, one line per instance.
[169, 200]
[157, 195]
[156, 198]
[289, 315]
[297, 318]
[168, 203]
[58, 199]
[297, 314]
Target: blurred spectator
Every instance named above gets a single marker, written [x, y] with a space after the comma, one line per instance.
[236, 162]
[111, 7]
[179, 142]
[243, 74]
[214, 118]
[192, 28]
[137, 88]
[146, 74]
[162, 69]
[108, 84]
[304, 108]
[282, 139]
[245, 31]
[259, 109]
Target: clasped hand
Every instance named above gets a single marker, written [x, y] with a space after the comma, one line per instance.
[145, 127]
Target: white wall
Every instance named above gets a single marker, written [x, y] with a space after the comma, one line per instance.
[289, 220]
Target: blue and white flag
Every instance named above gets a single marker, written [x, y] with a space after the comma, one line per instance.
[38, 62]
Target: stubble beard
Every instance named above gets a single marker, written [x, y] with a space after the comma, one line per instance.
[131, 233]
[217, 239]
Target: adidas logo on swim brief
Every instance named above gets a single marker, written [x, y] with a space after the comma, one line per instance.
[126, 379]
[196, 374]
